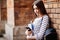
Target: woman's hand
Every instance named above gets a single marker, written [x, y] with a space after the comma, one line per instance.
[31, 38]
[28, 32]
[28, 37]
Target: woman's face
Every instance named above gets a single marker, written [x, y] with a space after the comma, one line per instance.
[36, 10]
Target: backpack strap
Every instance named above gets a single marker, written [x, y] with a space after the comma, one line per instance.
[32, 27]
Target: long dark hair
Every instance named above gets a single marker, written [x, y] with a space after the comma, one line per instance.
[41, 7]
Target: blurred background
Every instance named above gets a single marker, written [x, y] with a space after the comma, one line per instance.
[23, 14]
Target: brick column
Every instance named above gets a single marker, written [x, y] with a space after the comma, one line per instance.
[10, 20]
[0, 10]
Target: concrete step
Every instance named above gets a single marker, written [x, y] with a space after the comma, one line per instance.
[2, 38]
[19, 33]
[2, 25]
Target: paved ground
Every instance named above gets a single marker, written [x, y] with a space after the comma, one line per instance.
[2, 39]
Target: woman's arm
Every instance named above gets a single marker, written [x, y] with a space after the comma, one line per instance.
[42, 28]
[29, 35]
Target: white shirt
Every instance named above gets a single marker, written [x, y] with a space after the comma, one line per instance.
[40, 26]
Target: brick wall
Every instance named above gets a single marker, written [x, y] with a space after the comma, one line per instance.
[53, 9]
[23, 11]
[3, 10]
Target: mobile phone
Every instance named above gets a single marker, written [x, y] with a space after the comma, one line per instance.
[28, 28]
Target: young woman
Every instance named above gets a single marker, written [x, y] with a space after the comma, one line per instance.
[40, 23]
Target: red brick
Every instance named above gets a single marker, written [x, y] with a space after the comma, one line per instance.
[59, 26]
[55, 26]
[53, 11]
[51, 15]
[3, 14]
[59, 5]
[46, 5]
[58, 32]
[50, 5]
[55, 5]
[58, 21]
[16, 3]
[55, 15]
[45, 1]
[48, 10]
[52, 0]
[59, 37]
[54, 20]
[58, 10]
[3, 4]
[59, 16]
